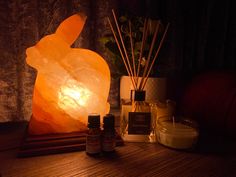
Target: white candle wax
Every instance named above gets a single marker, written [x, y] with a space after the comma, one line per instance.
[176, 134]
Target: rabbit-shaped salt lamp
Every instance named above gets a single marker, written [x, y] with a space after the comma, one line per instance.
[71, 82]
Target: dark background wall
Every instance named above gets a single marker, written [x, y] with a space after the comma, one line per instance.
[201, 37]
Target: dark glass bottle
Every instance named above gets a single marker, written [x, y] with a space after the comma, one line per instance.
[108, 133]
[93, 138]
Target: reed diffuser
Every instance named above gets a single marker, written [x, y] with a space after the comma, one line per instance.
[137, 121]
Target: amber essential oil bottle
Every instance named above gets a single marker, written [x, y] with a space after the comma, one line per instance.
[93, 138]
[108, 134]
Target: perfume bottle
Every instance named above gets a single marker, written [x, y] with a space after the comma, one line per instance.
[137, 119]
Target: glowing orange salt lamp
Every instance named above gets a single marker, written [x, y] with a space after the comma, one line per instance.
[70, 83]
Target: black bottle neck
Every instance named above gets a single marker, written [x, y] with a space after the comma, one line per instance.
[138, 95]
[109, 121]
[94, 121]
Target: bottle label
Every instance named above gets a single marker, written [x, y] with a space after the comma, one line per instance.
[108, 142]
[93, 144]
[139, 123]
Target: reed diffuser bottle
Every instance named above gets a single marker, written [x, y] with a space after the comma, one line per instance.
[137, 122]
[136, 119]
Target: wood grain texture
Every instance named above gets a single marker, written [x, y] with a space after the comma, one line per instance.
[132, 159]
[36, 145]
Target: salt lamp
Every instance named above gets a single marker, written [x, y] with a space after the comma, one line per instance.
[70, 82]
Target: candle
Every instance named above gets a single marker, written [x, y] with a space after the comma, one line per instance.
[176, 134]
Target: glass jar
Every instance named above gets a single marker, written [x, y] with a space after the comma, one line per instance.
[177, 132]
[136, 119]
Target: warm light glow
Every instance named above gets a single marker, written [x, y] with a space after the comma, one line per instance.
[73, 97]
[70, 83]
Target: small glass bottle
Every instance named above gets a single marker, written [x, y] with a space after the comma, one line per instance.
[93, 138]
[108, 133]
[136, 119]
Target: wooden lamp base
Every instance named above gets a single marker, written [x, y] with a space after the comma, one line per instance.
[35, 145]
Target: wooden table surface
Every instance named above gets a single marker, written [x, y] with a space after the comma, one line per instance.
[132, 159]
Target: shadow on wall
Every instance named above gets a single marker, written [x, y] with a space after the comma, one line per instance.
[209, 98]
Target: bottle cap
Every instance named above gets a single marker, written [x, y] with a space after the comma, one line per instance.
[109, 121]
[93, 121]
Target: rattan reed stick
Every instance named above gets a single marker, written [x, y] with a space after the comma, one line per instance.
[123, 45]
[132, 48]
[149, 55]
[155, 57]
[145, 29]
[121, 52]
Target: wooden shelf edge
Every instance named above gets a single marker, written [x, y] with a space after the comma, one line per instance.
[55, 143]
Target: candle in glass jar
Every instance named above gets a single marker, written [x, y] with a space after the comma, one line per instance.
[179, 135]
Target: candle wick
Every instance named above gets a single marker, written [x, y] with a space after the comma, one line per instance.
[173, 121]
